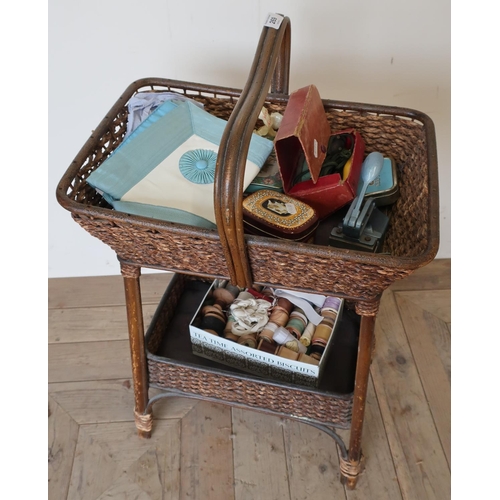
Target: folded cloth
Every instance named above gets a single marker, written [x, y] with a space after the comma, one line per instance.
[143, 104]
[165, 169]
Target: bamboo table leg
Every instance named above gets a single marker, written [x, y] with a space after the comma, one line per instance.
[351, 468]
[131, 275]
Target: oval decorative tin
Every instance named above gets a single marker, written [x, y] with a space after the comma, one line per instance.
[270, 213]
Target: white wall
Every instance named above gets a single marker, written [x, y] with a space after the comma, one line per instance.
[392, 52]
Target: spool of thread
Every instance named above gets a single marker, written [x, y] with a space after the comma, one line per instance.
[214, 311]
[278, 317]
[280, 313]
[283, 337]
[296, 346]
[233, 290]
[308, 334]
[213, 324]
[266, 346]
[333, 303]
[222, 297]
[208, 308]
[331, 307]
[297, 312]
[316, 352]
[285, 304]
[266, 333]
[248, 340]
[296, 323]
[284, 352]
[304, 358]
[320, 338]
[323, 331]
[231, 336]
[228, 334]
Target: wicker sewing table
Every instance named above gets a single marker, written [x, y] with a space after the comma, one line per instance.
[361, 278]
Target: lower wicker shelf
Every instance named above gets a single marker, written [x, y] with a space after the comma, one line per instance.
[172, 365]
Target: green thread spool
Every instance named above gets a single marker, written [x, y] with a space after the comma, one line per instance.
[296, 327]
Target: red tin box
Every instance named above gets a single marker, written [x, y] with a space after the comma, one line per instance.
[304, 133]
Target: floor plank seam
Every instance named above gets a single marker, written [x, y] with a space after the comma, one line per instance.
[382, 419]
[422, 385]
[99, 306]
[73, 462]
[64, 397]
[81, 342]
[232, 436]
[288, 475]
[79, 381]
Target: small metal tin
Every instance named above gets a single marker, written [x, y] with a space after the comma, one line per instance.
[269, 213]
[384, 190]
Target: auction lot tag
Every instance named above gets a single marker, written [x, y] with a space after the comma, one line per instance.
[273, 21]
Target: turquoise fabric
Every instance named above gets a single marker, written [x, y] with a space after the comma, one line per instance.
[153, 141]
[163, 213]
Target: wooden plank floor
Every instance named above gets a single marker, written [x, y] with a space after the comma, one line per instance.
[207, 451]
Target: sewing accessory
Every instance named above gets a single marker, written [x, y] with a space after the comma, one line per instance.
[248, 340]
[267, 332]
[297, 322]
[364, 226]
[281, 312]
[213, 322]
[308, 333]
[384, 189]
[331, 307]
[304, 358]
[283, 337]
[321, 337]
[228, 330]
[265, 346]
[223, 297]
[250, 316]
[284, 352]
[370, 170]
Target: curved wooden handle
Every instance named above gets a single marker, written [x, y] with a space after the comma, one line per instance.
[273, 48]
[281, 76]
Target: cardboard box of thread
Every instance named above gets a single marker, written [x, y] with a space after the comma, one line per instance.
[273, 333]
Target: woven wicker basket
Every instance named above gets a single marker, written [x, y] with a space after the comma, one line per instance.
[407, 135]
[411, 242]
[173, 372]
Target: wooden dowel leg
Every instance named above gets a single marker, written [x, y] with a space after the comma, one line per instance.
[351, 468]
[135, 320]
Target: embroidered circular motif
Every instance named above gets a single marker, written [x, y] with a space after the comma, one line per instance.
[198, 166]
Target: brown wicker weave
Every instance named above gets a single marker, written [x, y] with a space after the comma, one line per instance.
[225, 385]
[412, 238]
[411, 242]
